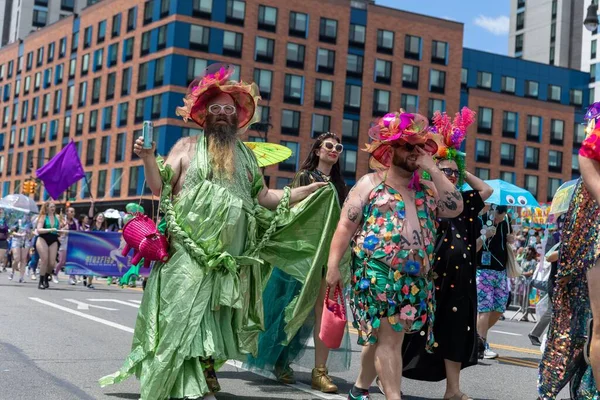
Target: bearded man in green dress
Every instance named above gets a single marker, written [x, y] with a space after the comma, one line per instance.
[226, 228]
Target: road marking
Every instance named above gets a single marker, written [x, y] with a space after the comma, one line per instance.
[136, 301]
[516, 349]
[516, 361]
[85, 306]
[298, 386]
[82, 315]
[507, 333]
[125, 303]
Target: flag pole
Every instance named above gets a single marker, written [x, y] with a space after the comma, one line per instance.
[87, 183]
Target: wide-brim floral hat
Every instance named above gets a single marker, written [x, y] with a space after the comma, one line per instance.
[214, 81]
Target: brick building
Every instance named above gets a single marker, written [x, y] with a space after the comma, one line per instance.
[529, 120]
[321, 65]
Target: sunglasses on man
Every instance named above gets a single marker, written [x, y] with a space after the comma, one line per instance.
[216, 109]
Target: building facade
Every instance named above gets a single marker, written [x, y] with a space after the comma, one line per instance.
[321, 65]
[19, 18]
[529, 120]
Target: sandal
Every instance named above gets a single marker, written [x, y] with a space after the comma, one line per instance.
[458, 396]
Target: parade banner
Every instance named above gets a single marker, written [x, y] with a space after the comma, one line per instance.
[97, 253]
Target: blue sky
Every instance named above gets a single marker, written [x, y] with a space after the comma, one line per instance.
[486, 22]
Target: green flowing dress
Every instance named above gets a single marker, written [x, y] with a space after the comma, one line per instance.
[206, 301]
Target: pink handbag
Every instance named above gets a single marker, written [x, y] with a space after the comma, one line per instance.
[333, 321]
[141, 235]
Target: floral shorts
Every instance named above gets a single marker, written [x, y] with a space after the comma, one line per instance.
[379, 291]
[492, 290]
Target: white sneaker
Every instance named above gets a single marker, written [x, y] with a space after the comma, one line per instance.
[489, 354]
[54, 279]
[72, 280]
[33, 277]
[10, 277]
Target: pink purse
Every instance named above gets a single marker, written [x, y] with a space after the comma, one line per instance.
[333, 321]
[141, 235]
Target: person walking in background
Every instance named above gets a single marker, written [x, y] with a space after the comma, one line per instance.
[4, 234]
[528, 266]
[21, 243]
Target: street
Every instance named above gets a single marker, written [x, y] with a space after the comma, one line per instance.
[55, 344]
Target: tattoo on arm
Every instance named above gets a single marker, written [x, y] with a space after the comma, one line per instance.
[450, 202]
[353, 213]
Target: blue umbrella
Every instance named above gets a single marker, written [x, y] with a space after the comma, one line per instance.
[507, 194]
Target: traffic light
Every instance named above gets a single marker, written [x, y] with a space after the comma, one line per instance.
[33, 187]
[26, 187]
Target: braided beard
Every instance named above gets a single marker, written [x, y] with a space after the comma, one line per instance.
[221, 148]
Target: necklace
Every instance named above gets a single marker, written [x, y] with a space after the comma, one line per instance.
[326, 178]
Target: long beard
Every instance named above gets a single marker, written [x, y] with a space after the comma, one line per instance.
[221, 148]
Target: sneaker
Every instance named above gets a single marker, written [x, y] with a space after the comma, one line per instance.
[72, 280]
[54, 278]
[364, 396]
[21, 280]
[33, 277]
[84, 282]
[91, 287]
[489, 354]
[480, 347]
[10, 277]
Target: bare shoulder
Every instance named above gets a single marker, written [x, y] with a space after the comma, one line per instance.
[365, 185]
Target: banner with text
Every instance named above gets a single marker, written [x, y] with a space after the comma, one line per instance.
[97, 253]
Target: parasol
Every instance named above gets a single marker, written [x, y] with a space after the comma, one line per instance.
[507, 194]
[269, 153]
[19, 202]
[562, 197]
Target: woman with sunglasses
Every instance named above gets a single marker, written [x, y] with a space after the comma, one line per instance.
[321, 165]
[454, 267]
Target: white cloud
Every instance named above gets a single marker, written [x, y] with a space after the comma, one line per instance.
[496, 25]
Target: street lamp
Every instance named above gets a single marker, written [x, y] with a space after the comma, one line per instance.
[591, 19]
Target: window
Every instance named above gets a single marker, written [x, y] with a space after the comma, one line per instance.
[594, 49]
[101, 188]
[410, 76]
[89, 153]
[159, 72]
[67, 126]
[509, 84]
[437, 81]
[295, 55]
[412, 47]
[17, 88]
[196, 67]
[435, 105]
[510, 124]
[439, 52]
[264, 124]
[290, 122]
[264, 80]
[575, 164]
[532, 157]
[85, 64]
[164, 8]
[120, 148]
[133, 188]
[79, 125]
[127, 49]
[554, 93]
[29, 61]
[555, 161]
[116, 182]
[57, 101]
[484, 120]
[40, 60]
[381, 102]
[236, 12]
[162, 37]
[354, 66]
[232, 44]
[142, 77]
[294, 89]
[93, 121]
[298, 24]
[348, 163]
[576, 97]
[74, 42]
[202, 8]
[553, 32]
[131, 16]
[321, 124]
[123, 114]
[557, 132]
[385, 41]
[507, 154]
[482, 173]
[483, 150]
[532, 89]
[110, 86]
[579, 134]
[82, 94]
[70, 96]
[519, 43]
[520, 20]
[199, 36]
[352, 98]
[323, 93]
[553, 185]
[156, 105]
[62, 48]
[357, 35]
[350, 129]
[39, 18]
[72, 68]
[531, 184]
[101, 31]
[509, 177]
[484, 80]
[59, 74]
[87, 37]
[148, 8]
[96, 90]
[67, 5]
[25, 110]
[325, 61]
[291, 164]
[145, 49]
[534, 128]
[264, 50]
[126, 82]
[139, 111]
[116, 25]
[409, 103]
[50, 53]
[43, 131]
[267, 18]
[383, 71]
[328, 30]
[27, 85]
[113, 51]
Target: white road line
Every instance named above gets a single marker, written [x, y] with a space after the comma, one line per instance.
[298, 386]
[125, 303]
[85, 306]
[507, 333]
[82, 315]
[237, 364]
[136, 301]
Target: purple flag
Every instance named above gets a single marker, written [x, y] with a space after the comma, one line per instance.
[62, 171]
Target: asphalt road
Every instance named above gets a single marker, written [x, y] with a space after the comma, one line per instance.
[55, 344]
